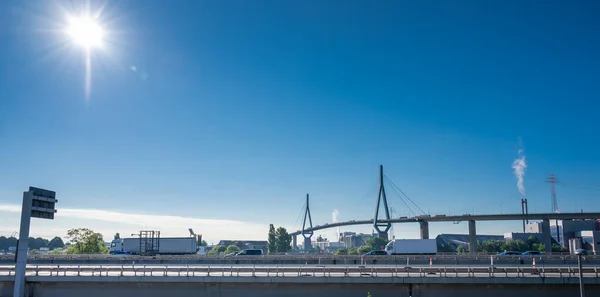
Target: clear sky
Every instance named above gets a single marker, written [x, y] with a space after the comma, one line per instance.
[222, 115]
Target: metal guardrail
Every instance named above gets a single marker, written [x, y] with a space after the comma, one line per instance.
[304, 271]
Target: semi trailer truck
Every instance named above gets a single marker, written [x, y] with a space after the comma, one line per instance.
[411, 247]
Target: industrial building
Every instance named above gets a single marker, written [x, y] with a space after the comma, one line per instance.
[563, 230]
[353, 239]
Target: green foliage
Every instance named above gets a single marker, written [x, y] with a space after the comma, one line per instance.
[557, 248]
[369, 294]
[232, 249]
[85, 241]
[515, 245]
[490, 246]
[272, 240]
[376, 243]
[203, 243]
[352, 251]
[341, 252]
[57, 251]
[34, 251]
[461, 249]
[540, 247]
[6, 242]
[56, 243]
[531, 240]
[283, 240]
[364, 249]
[217, 249]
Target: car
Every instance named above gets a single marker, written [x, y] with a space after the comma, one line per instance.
[581, 252]
[532, 253]
[509, 253]
[376, 253]
[254, 252]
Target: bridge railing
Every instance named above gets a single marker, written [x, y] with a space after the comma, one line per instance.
[300, 271]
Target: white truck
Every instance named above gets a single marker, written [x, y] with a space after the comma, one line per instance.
[166, 246]
[411, 247]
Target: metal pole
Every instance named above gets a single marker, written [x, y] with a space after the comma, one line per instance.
[581, 291]
[21, 264]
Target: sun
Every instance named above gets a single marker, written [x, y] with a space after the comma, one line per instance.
[85, 31]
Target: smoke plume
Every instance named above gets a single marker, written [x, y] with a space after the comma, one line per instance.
[335, 216]
[519, 165]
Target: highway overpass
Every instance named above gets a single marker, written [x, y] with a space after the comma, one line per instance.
[301, 281]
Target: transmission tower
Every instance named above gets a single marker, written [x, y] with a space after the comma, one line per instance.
[553, 180]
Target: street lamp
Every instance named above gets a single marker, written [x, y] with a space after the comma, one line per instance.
[579, 253]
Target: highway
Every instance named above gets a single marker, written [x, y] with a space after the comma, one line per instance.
[302, 271]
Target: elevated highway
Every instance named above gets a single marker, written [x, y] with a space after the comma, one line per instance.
[471, 219]
[250, 281]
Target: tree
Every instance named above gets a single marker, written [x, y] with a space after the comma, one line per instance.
[531, 240]
[490, 246]
[217, 249]
[445, 248]
[341, 251]
[117, 236]
[283, 240]
[364, 249]
[540, 247]
[557, 248]
[352, 251]
[86, 241]
[461, 249]
[515, 245]
[376, 243]
[34, 251]
[56, 243]
[203, 243]
[272, 240]
[232, 249]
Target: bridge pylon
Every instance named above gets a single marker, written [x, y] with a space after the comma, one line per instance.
[307, 234]
[382, 228]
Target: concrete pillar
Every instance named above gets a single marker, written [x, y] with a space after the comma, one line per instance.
[307, 244]
[383, 235]
[294, 241]
[546, 235]
[424, 226]
[472, 238]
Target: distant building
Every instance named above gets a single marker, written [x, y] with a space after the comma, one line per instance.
[563, 230]
[533, 227]
[590, 240]
[247, 244]
[328, 245]
[355, 240]
[453, 241]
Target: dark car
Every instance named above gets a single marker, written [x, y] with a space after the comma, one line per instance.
[509, 253]
[250, 253]
[376, 253]
[581, 252]
[532, 253]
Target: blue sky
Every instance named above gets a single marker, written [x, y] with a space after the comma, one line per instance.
[233, 110]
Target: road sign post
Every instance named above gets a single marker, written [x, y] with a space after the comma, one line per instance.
[37, 203]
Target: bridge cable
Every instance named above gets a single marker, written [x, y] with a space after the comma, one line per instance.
[394, 185]
[299, 215]
[404, 201]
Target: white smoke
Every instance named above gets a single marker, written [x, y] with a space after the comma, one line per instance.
[519, 165]
[335, 215]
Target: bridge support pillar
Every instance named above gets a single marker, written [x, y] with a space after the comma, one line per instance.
[424, 226]
[294, 241]
[546, 235]
[383, 235]
[472, 238]
[307, 244]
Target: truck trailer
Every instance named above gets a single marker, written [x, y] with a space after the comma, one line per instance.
[411, 247]
[166, 246]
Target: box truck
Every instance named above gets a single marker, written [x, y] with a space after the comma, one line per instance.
[166, 246]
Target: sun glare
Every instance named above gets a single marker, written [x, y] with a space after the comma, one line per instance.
[85, 31]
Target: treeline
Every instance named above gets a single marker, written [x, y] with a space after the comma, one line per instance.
[34, 243]
[374, 243]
